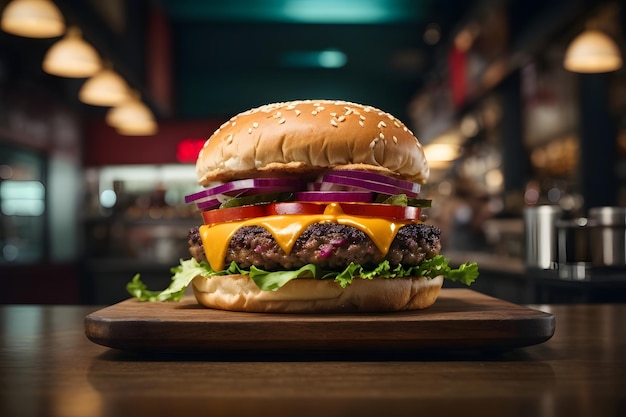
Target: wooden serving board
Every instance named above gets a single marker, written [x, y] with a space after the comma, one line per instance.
[459, 319]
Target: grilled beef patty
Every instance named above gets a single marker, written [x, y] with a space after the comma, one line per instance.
[328, 245]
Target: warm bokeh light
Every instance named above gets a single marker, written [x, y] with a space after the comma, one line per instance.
[105, 88]
[72, 57]
[33, 19]
[593, 52]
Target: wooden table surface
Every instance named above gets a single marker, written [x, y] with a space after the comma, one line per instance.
[49, 368]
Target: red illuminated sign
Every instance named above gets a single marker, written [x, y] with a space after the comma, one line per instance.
[188, 149]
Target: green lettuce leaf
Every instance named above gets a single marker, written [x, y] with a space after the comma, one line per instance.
[271, 281]
[182, 276]
[430, 268]
[439, 265]
[184, 273]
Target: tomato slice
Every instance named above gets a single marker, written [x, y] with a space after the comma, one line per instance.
[230, 214]
[295, 207]
[382, 210]
[353, 209]
[387, 211]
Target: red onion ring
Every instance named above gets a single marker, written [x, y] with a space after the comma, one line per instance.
[212, 202]
[256, 185]
[335, 196]
[408, 186]
[377, 187]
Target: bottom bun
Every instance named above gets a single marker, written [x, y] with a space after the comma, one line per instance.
[240, 293]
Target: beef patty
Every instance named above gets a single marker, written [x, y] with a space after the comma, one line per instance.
[328, 245]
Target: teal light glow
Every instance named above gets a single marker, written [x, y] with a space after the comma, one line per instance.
[328, 58]
[331, 58]
[108, 198]
[334, 11]
[302, 11]
[22, 198]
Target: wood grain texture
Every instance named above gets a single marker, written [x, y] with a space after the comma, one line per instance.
[48, 368]
[460, 319]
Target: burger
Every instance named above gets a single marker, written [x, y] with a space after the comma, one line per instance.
[311, 206]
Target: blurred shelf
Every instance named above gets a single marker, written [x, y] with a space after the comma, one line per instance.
[488, 261]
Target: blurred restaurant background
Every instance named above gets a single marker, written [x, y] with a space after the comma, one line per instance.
[520, 105]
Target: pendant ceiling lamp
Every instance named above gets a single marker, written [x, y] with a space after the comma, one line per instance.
[105, 88]
[132, 117]
[145, 128]
[72, 57]
[32, 19]
[593, 51]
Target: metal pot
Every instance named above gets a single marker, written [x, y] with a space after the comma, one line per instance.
[540, 236]
[608, 236]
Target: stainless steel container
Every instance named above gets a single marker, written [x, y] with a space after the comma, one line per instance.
[573, 240]
[573, 249]
[608, 236]
[540, 236]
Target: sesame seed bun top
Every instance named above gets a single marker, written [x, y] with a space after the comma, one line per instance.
[307, 137]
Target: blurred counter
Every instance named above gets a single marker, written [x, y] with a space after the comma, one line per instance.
[120, 247]
[488, 261]
[106, 279]
[510, 279]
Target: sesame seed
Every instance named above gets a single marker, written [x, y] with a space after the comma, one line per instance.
[341, 118]
[229, 139]
[281, 121]
[334, 122]
[395, 139]
[249, 130]
[233, 123]
[361, 117]
[319, 108]
[396, 123]
[381, 124]
[361, 123]
[381, 135]
[314, 112]
[255, 125]
[373, 143]
[298, 113]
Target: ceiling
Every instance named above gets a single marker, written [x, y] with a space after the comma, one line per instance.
[223, 57]
[216, 58]
[230, 56]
